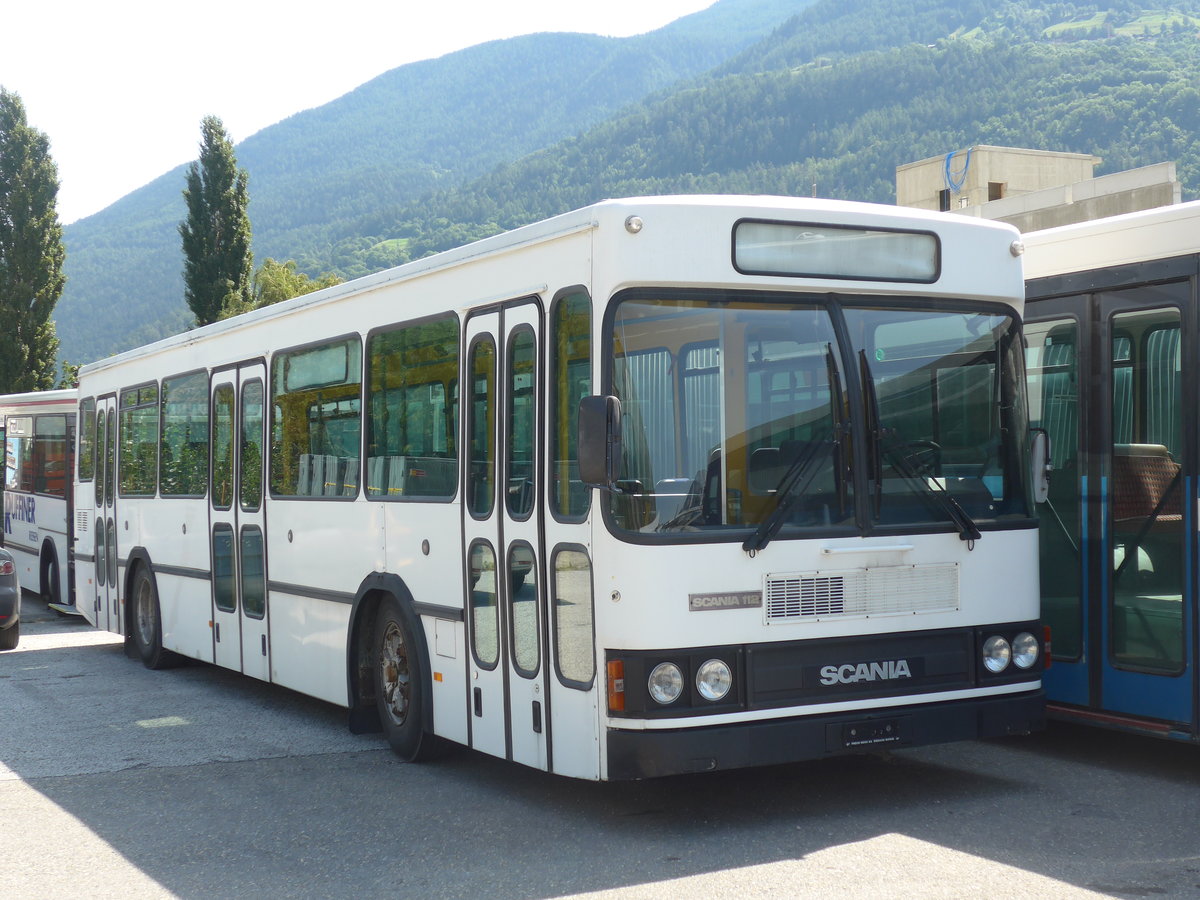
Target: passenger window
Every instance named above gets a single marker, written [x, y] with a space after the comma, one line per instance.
[138, 467]
[316, 393]
[412, 420]
[184, 444]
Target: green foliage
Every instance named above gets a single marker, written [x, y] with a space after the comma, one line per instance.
[216, 234]
[278, 281]
[31, 252]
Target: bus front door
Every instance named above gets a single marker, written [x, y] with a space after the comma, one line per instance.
[502, 530]
[237, 522]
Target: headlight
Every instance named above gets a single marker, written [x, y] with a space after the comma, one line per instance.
[996, 654]
[1025, 650]
[665, 683]
[713, 679]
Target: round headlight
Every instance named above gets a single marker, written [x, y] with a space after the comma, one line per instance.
[1025, 650]
[713, 679]
[665, 683]
[996, 654]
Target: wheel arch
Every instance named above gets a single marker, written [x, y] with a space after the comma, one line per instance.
[364, 716]
[139, 557]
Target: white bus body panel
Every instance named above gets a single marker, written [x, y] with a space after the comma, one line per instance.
[320, 551]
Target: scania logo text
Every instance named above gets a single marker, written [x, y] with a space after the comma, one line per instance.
[852, 673]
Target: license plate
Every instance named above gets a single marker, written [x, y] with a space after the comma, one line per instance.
[871, 734]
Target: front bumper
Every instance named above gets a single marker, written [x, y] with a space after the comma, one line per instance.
[652, 754]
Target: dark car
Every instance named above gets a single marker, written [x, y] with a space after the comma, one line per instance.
[10, 602]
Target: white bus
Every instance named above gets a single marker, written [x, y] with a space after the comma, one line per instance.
[660, 485]
[39, 445]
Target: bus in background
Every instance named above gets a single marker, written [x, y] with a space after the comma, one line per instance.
[1111, 331]
[657, 486]
[39, 448]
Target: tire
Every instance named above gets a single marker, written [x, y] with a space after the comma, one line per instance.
[11, 636]
[400, 674]
[146, 622]
[51, 583]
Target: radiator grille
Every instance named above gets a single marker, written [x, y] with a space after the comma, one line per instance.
[82, 520]
[858, 593]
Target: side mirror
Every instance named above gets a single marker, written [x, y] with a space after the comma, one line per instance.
[599, 441]
[1040, 465]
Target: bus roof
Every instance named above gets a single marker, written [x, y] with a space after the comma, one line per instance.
[604, 214]
[1117, 240]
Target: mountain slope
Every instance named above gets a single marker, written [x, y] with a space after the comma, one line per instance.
[795, 111]
[419, 127]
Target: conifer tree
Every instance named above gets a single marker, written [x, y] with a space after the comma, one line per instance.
[31, 252]
[217, 262]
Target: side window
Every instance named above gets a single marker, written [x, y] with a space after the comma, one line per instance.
[522, 423]
[485, 606]
[481, 458]
[251, 446]
[316, 425]
[50, 455]
[138, 463]
[412, 416]
[574, 634]
[222, 447]
[87, 439]
[183, 449]
[571, 380]
[18, 454]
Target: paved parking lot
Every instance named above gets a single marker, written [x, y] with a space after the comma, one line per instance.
[116, 781]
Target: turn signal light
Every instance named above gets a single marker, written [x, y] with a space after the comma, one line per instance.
[616, 685]
[1046, 648]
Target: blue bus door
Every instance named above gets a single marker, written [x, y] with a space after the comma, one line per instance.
[1143, 561]
[1109, 381]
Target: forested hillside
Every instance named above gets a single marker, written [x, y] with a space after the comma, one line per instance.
[837, 97]
[421, 126]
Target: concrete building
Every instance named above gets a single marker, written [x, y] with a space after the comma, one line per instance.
[1031, 189]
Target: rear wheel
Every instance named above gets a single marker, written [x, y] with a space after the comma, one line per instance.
[11, 636]
[147, 622]
[398, 683]
[51, 583]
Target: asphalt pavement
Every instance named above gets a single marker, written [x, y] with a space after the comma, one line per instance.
[195, 782]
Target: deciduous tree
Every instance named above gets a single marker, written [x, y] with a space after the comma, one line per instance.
[31, 252]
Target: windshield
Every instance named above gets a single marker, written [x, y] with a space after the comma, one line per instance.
[770, 416]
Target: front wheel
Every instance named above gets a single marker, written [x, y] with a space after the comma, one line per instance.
[147, 622]
[398, 683]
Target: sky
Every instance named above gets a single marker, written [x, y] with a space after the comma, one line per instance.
[120, 87]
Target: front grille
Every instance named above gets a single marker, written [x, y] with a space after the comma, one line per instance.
[861, 593]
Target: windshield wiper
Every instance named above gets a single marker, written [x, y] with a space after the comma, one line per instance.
[883, 440]
[902, 463]
[795, 481]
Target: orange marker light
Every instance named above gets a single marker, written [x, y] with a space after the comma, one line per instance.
[616, 685]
